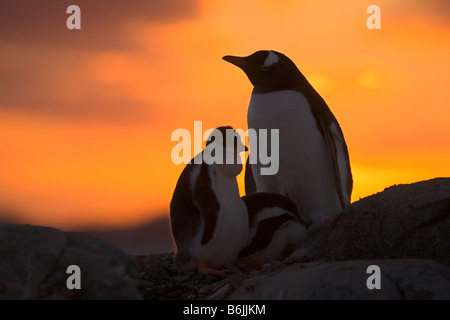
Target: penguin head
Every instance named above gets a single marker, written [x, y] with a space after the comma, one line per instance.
[230, 138]
[269, 70]
[229, 142]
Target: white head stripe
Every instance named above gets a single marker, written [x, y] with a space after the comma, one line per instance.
[271, 59]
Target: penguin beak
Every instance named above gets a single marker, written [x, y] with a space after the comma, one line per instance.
[237, 61]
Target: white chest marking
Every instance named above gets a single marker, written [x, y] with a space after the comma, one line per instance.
[231, 232]
[290, 112]
[306, 173]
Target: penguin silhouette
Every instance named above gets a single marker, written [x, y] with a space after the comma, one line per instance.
[209, 220]
[314, 167]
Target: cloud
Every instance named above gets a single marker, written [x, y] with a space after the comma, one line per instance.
[437, 6]
[437, 10]
[92, 101]
[104, 23]
[46, 69]
[63, 85]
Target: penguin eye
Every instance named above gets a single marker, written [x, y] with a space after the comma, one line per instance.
[265, 68]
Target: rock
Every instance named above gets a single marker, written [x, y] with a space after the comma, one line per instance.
[405, 230]
[34, 261]
[404, 221]
[400, 279]
[322, 280]
[220, 294]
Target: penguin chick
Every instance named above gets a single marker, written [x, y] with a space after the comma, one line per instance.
[209, 220]
[275, 228]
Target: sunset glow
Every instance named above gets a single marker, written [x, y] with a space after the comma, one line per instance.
[86, 116]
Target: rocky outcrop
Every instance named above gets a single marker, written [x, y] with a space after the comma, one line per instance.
[324, 280]
[400, 279]
[403, 221]
[404, 230]
[34, 261]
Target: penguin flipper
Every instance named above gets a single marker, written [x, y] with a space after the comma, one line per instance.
[264, 234]
[250, 184]
[256, 202]
[335, 141]
[340, 159]
[331, 143]
[207, 203]
[341, 162]
[185, 219]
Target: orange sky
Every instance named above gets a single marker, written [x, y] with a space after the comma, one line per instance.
[86, 116]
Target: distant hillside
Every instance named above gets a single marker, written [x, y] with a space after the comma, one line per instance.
[150, 238]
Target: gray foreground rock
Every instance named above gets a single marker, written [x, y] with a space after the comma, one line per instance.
[403, 221]
[400, 279]
[324, 280]
[34, 260]
[405, 230]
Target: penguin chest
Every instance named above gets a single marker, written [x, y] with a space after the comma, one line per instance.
[232, 226]
[231, 229]
[289, 112]
[303, 155]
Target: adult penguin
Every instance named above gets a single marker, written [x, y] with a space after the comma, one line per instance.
[314, 167]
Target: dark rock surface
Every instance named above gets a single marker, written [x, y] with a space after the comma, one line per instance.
[34, 261]
[405, 230]
[161, 280]
[400, 279]
[403, 221]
